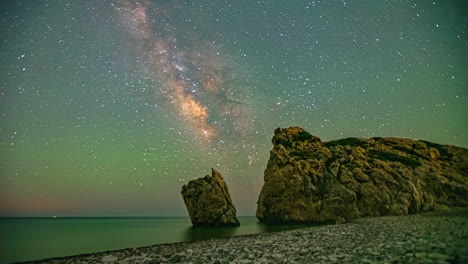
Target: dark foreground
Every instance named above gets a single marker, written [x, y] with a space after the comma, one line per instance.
[439, 237]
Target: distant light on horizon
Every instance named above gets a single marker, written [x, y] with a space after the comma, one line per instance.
[108, 108]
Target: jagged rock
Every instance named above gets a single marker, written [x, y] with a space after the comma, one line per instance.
[208, 201]
[307, 180]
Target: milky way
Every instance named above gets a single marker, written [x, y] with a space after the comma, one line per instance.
[110, 107]
[191, 79]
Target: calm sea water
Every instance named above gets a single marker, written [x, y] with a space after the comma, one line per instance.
[23, 239]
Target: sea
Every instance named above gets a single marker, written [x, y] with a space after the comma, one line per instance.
[27, 239]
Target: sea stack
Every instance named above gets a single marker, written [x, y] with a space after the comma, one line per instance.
[307, 180]
[208, 201]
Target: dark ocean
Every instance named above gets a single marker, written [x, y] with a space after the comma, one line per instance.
[25, 239]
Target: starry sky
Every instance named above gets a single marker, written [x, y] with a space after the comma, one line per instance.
[108, 107]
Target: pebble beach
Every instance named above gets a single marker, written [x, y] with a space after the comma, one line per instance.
[436, 237]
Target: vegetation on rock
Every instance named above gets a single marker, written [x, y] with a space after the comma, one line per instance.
[389, 156]
[310, 181]
[442, 150]
[303, 136]
[409, 151]
[353, 142]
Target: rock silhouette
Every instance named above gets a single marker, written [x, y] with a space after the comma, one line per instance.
[307, 180]
[208, 201]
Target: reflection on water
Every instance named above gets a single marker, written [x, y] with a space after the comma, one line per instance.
[248, 225]
[23, 239]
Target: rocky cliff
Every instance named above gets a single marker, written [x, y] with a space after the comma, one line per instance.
[208, 201]
[307, 180]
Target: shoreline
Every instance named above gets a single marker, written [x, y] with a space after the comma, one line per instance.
[434, 237]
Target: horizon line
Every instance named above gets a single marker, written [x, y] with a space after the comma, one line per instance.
[106, 216]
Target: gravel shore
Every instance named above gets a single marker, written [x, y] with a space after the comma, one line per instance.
[438, 237]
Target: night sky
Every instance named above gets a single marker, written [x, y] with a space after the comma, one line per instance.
[108, 107]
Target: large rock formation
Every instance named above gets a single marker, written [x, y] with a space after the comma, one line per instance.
[208, 201]
[307, 180]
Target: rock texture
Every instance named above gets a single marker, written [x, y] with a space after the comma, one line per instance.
[307, 180]
[208, 201]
